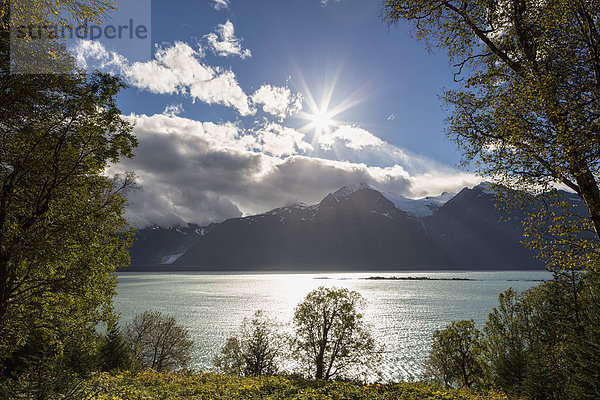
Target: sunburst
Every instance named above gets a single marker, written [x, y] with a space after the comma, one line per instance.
[322, 117]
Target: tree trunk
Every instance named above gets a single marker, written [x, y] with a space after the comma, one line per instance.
[4, 289]
[319, 362]
[591, 196]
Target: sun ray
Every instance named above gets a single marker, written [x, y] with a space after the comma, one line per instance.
[321, 116]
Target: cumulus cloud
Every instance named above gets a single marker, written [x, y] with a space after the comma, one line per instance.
[224, 43]
[220, 4]
[173, 109]
[278, 141]
[277, 101]
[350, 136]
[86, 50]
[178, 69]
[201, 172]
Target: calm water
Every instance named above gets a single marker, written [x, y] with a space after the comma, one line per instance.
[403, 314]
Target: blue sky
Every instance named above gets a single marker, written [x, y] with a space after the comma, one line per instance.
[225, 116]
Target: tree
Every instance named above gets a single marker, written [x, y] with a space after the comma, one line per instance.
[43, 56]
[62, 230]
[231, 360]
[528, 105]
[115, 354]
[455, 355]
[332, 338]
[543, 343]
[158, 342]
[505, 342]
[255, 351]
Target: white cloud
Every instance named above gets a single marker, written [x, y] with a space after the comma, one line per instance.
[277, 101]
[224, 42]
[220, 4]
[178, 69]
[202, 172]
[173, 109]
[279, 141]
[392, 117]
[86, 50]
[349, 136]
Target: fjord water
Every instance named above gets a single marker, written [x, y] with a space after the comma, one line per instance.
[403, 313]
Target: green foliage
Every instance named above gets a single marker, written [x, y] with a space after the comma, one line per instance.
[540, 344]
[455, 356]
[115, 354]
[62, 232]
[47, 56]
[44, 373]
[158, 342]
[332, 338]
[527, 110]
[255, 351]
[505, 342]
[151, 385]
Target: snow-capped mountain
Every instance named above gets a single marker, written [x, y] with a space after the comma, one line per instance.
[356, 227]
[424, 207]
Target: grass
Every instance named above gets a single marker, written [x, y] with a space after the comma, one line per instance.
[188, 386]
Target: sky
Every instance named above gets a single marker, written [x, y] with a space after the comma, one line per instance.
[242, 106]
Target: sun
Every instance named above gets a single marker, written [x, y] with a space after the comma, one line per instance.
[321, 120]
[322, 116]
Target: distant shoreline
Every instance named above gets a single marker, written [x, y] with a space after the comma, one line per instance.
[414, 278]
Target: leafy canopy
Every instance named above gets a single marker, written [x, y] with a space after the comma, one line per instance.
[455, 355]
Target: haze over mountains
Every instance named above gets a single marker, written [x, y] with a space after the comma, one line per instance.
[355, 228]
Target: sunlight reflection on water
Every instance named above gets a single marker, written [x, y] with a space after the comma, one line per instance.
[403, 314]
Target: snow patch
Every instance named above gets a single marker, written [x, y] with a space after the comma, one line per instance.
[347, 190]
[166, 260]
[420, 208]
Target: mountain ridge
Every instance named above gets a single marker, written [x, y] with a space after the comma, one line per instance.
[354, 228]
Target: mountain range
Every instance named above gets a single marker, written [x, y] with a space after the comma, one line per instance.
[355, 228]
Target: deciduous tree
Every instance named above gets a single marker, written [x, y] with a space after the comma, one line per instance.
[158, 342]
[455, 355]
[543, 343]
[527, 108]
[255, 351]
[62, 230]
[332, 338]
